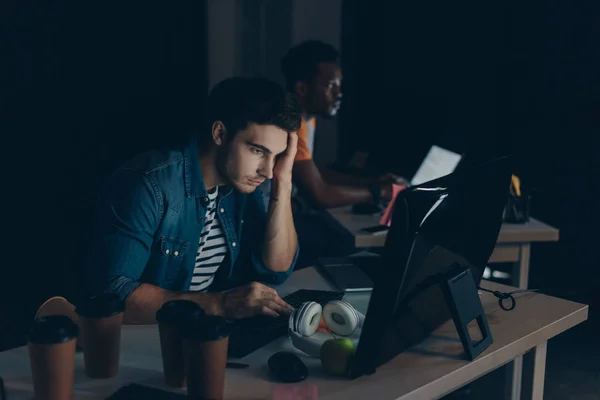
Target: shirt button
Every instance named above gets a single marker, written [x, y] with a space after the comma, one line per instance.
[222, 210]
[175, 253]
[233, 244]
[242, 221]
[167, 251]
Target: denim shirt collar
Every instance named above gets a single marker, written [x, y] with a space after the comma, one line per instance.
[194, 182]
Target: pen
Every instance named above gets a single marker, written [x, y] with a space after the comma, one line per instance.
[517, 185]
[236, 365]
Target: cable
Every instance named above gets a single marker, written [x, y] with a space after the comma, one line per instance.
[506, 295]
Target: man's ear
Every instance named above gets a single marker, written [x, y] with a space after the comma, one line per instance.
[301, 88]
[218, 133]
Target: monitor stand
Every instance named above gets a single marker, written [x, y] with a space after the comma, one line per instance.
[462, 297]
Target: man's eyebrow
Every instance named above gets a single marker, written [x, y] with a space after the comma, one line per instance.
[263, 148]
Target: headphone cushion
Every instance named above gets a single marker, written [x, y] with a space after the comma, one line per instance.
[306, 318]
[341, 317]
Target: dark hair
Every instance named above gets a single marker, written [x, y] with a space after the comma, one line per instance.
[301, 61]
[239, 102]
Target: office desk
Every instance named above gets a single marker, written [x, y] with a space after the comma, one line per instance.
[428, 371]
[514, 240]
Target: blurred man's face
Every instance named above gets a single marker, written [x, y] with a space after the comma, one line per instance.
[325, 91]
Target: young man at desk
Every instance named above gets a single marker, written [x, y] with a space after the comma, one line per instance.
[189, 223]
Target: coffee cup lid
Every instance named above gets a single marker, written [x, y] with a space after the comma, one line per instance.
[206, 328]
[176, 311]
[101, 306]
[52, 329]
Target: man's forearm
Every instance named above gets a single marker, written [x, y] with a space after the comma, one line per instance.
[339, 178]
[331, 196]
[280, 241]
[143, 303]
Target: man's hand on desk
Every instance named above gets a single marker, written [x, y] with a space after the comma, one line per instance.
[387, 182]
[392, 178]
[241, 302]
[252, 299]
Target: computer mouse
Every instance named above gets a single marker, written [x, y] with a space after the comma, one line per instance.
[366, 208]
[287, 367]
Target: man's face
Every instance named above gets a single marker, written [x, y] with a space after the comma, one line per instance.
[248, 160]
[325, 91]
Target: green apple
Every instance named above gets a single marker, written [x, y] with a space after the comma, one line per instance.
[336, 355]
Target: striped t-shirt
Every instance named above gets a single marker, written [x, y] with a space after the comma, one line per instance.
[212, 248]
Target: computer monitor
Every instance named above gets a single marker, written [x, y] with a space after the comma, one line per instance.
[437, 163]
[455, 218]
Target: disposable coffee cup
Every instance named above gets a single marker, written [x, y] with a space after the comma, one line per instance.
[171, 317]
[101, 318]
[205, 341]
[51, 345]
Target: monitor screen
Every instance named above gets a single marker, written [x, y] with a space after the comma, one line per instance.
[437, 163]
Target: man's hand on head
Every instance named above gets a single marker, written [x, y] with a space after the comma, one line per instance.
[253, 299]
[280, 243]
[282, 172]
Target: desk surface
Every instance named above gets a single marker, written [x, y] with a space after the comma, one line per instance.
[533, 231]
[430, 370]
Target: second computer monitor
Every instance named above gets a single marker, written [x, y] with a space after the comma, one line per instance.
[456, 218]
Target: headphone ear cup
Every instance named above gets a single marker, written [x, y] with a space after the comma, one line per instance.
[342, 318]
[305, 319]
[308, 345]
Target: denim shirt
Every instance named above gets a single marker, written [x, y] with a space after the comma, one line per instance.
[148, 225]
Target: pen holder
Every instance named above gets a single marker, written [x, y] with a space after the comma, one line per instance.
[517, 209]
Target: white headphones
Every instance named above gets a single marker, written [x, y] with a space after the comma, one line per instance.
[339, 316]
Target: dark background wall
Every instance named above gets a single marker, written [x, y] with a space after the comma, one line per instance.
[84, 85]
[486, 78]
[419, 72]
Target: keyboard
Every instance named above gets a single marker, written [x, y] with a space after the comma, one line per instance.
[251, 334]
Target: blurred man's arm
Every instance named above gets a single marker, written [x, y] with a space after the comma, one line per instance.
[325, 194]
[340, 178]
[334, 177]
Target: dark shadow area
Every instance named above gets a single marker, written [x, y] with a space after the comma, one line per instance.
[84, 87]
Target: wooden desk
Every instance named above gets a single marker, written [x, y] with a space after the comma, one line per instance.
[514, 240]
[428, 371]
